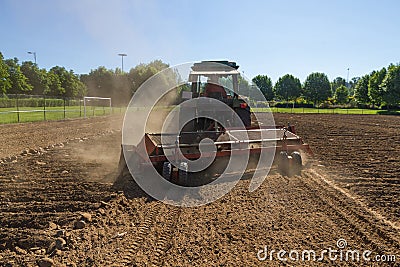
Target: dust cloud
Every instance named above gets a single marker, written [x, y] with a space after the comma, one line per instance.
[99, 157]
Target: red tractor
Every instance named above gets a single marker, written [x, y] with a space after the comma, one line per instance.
[205, 82]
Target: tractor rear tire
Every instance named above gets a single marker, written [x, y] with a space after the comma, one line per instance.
[167, 171]
[183, 174]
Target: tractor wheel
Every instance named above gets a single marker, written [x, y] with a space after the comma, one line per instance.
[297, 162]
[183, 174]
[167, 171]
[283, 163]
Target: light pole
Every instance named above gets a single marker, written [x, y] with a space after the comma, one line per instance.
[348, 70]
[122, 61]
[34, 55]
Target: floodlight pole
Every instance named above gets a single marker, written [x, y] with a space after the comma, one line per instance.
[122, 61]
[348, 70]
[34, 55]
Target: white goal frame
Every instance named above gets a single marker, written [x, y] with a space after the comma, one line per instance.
[88, 98]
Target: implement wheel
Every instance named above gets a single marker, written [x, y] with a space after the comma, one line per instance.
[183, 174]
[167, 171]
[297, 163]
[283, 163]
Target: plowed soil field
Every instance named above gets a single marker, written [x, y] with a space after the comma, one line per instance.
[60, 206]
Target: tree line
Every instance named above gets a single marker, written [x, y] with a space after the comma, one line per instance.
[119, 85]
[27, 78]
[378, 89]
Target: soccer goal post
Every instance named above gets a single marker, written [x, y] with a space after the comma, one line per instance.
[93, 101]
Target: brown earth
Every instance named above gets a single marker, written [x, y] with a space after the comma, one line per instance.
[350, 190]
[17, 137]
[361, 153]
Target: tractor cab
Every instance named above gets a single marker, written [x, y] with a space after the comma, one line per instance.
[219, 80]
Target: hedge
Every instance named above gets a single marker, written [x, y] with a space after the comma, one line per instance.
[36, 102]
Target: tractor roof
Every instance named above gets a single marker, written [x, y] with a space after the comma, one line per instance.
[222, 67]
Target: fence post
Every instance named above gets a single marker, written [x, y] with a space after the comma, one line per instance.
[44, 107]
[64, 107]
[84, 106]
[17, 109]
[80, 108]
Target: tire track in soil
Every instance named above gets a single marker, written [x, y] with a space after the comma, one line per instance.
[169, 217]
[163, 243]
[143, 230]
[372, 231]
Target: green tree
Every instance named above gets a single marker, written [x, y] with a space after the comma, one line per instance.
[342, 94]
[337, 82]
[5, 83]
[142, 72]
[391, 86]
[352, 85]
[244, 87]
[107, 83]
[375, 91]
[361, 90]
[75, 86]
[19, 83]
[99, 82]
[288, 87]
[36, 77]
[71, 86]
[53, 84]
[317, 88]
[265, 84]
[78, 88]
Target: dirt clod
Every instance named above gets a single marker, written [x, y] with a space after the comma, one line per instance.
[52, 226]
[87, 217]
[80, 224]
[60, 233]
[20, 250]
[60, 243]
[45, 262]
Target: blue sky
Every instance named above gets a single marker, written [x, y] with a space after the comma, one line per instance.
[263, 37]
